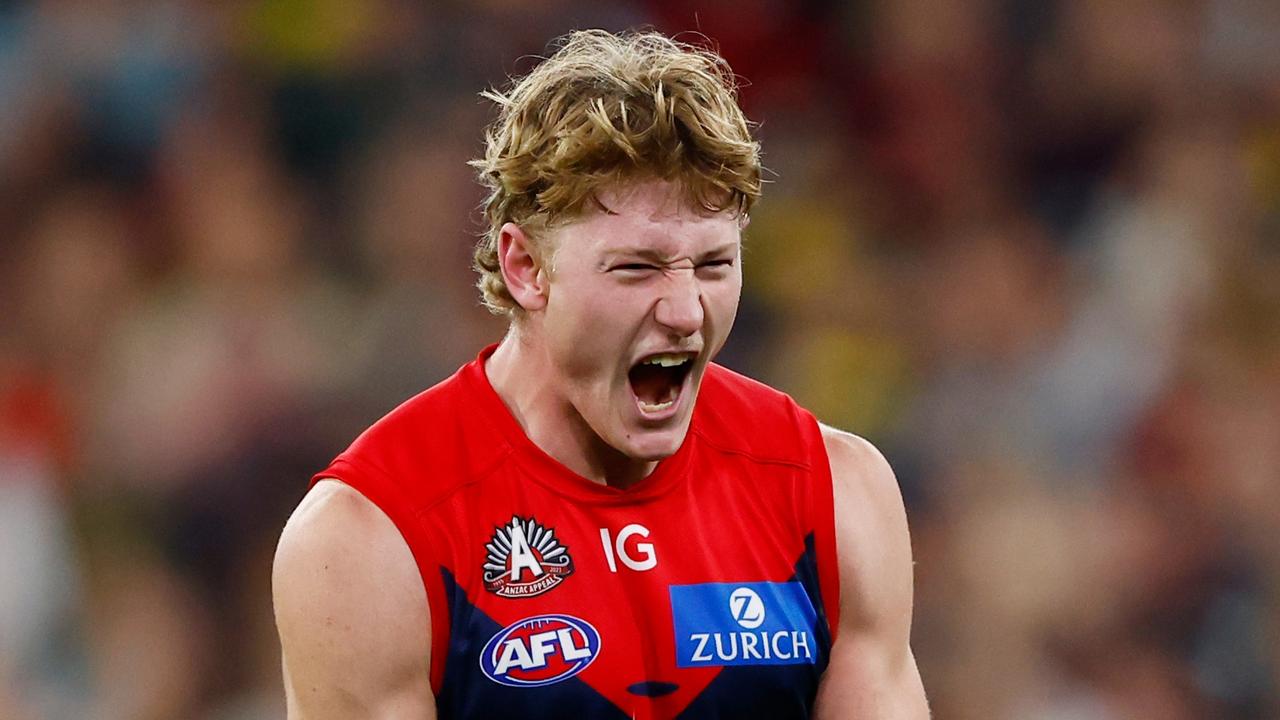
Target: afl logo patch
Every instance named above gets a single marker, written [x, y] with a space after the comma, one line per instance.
[540, 650]
[525, 559]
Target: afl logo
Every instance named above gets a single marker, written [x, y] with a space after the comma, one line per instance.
[540, 650]
[524, 559]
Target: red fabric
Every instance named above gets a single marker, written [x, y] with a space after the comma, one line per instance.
[734, 504]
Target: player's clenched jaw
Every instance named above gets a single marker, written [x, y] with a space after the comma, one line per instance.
[638, 296]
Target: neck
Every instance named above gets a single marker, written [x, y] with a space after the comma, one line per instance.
[517, 370]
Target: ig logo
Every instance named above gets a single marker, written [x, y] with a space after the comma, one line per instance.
[747, 608]
[646, 559]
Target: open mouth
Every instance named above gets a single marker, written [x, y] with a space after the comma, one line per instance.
[657, 379]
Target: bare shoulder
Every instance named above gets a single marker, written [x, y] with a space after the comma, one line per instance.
[872, 672]
[872, 541]
[865, 485]
[351, 611]
[855, 461]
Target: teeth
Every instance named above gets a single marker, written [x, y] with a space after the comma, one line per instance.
[667, 360]
[656, 408]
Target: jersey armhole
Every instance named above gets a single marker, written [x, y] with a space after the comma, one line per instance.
[384, 493]
[821, 517]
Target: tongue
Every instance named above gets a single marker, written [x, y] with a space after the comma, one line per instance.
[653, 384]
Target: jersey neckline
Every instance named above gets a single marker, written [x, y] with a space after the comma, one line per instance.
[554, 474]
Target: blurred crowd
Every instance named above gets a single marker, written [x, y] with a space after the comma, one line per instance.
[1031, 249]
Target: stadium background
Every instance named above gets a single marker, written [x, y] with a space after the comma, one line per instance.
[1031, 249]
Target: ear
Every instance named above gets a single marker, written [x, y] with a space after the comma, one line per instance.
[526, 279]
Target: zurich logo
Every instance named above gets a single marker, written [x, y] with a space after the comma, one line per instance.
[747, 608]
[745, 623]
[540, 650]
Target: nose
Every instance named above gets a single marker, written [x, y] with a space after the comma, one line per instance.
[680, 307]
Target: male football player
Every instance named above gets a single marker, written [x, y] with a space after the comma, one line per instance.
[593, 519]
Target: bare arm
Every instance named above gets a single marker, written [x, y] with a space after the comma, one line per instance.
[872, 673]
[351, 611]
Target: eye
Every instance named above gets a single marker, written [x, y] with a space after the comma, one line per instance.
[634, 267]
[715, 267]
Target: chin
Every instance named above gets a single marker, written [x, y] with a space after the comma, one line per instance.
[652, 445]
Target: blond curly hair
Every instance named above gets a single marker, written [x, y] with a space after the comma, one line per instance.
[607, 109]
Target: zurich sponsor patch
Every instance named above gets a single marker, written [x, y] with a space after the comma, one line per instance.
[540, 650]
[759, 623]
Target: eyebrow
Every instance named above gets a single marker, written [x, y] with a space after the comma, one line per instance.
[657, 257]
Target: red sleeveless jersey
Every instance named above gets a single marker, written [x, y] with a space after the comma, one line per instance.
[706, 590]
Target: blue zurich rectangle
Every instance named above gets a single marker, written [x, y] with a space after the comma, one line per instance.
[757, 623]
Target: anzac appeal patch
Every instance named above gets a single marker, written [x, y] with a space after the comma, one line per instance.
[525, 559]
